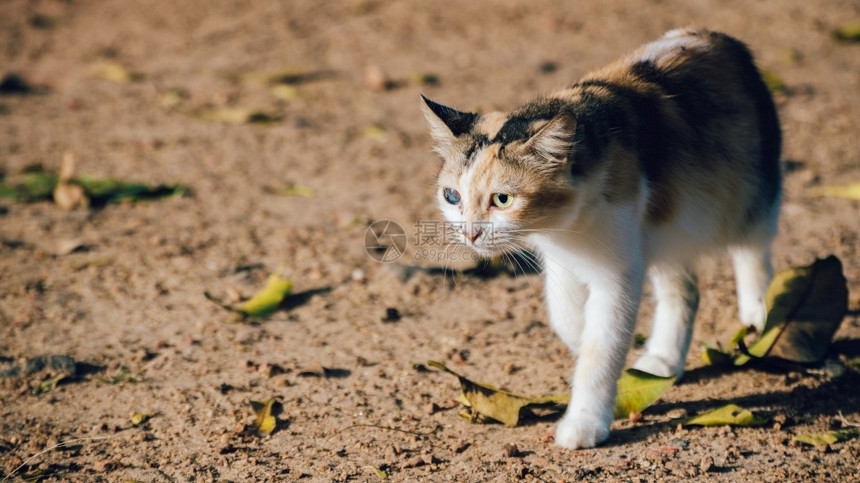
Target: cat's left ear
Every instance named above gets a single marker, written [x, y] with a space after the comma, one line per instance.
[446, 123]
[554, 141]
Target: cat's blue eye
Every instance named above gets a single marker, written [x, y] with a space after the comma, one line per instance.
[451, 196]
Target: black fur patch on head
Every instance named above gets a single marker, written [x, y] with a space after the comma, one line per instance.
[518, 125]
[479, 141]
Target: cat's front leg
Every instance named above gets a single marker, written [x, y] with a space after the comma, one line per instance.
[610, 315]
[565, 299]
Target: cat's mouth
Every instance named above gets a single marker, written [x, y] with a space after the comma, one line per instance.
[489, 247]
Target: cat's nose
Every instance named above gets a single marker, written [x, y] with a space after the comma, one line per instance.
[474, 233]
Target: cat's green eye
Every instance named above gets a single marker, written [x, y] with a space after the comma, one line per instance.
[502, 200]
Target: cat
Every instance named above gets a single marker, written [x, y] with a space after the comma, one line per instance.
[641, 167]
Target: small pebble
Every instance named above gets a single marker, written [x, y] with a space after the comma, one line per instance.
[707, 464]
[460, 446]
[391, 315]
[104, 466]
[510, 450]
[376, 79]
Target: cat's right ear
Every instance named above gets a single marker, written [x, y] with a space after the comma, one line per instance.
[446, 123]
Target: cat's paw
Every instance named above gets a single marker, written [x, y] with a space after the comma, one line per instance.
[576, 433]
[753, 314]
[658, 366]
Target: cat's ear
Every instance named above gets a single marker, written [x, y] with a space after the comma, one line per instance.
[554, 141]
[446, 123]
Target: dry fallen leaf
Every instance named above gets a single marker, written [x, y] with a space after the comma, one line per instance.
[115, 73]
[502, 406]
[139, 418]
[382, 474]
[636, 391]
[731, 414]
[265, 421]
[284, 92]
[806, 305]
[822, 439]
[847, 32]
[851, 192]
[267, 300]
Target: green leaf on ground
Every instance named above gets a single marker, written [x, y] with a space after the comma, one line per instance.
[823, 439]
[847, 32]
[716, 357]
[104, 191]
[731, 414]
[265, 421]
[40, 185]
[851, 191]
[774, 82]
[123, 376]
[51, 383]
[637, 390]
[34, 186]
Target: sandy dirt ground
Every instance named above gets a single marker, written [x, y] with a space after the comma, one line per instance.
[344, 121]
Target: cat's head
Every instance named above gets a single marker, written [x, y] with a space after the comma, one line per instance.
[505, 175]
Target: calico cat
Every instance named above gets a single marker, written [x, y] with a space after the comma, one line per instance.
[667, 154]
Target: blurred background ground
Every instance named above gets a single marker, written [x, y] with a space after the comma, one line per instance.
[295, 124]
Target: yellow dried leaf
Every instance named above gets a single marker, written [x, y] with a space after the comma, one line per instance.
[847, 32]
[267, 300]
[502, 406]
[731, 414]
[382, 474]
[374, 132]
[265, 421]
[823, 439]
[115, 73]
[851, 191]
[637, 390]
[226, 115]
[139, 418]
[806, 305]
[284, 92]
